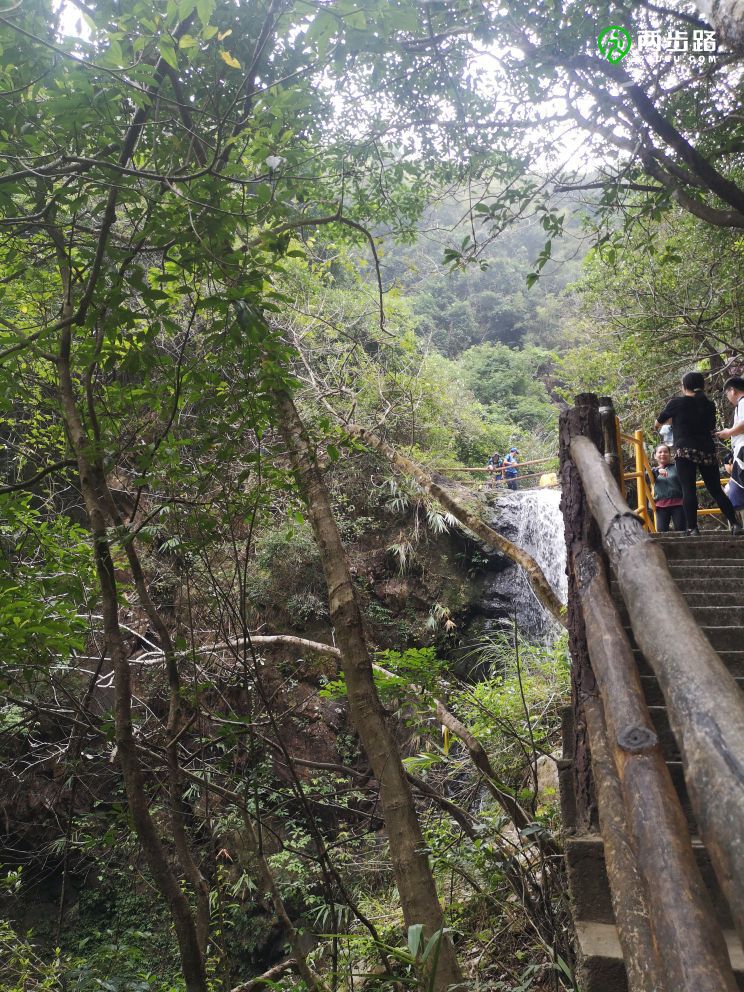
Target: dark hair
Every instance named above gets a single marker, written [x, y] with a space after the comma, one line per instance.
[693, 381]
[736, 381]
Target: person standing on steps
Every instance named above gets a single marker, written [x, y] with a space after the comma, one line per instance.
[667, 492]
[733, 390]
[693, 419]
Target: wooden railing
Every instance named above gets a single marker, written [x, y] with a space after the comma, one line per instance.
[495, 476]
[666, 924]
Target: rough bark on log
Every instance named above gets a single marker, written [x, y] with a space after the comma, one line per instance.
[580, 533]
[268, 978]
[705, 705]
[535, 575]
[690, 945]
[626, 885]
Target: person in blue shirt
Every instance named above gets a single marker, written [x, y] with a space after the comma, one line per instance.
[511, 464]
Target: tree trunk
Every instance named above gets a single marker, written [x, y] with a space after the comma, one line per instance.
[414, 878]
[92, 487]
[535, 575]
[581, 532]
[177, 808]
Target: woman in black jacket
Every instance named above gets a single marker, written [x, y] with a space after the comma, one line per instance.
[693, 418]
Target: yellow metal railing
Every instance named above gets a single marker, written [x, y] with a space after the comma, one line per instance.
[645, 505]
[643, 474]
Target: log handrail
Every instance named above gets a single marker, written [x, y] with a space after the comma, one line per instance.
[627, 890]
[492, 469]
[704, 703]
[705, 709]
[690, 946]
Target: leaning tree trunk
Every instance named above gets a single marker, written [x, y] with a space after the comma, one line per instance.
[535, 575]
[414, 879]
[727, 19]
[92, 485]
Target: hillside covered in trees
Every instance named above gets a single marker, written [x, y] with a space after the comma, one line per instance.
[279, 697]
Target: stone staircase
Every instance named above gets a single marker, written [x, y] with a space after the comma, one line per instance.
[709, 571]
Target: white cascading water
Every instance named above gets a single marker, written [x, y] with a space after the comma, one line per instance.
[540, 532]
[535, 524]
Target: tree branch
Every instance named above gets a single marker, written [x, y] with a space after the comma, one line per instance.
[29, 483]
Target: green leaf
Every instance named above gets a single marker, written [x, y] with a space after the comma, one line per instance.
[187, 41]
[205, 9]
[415, 938]
[168, 52]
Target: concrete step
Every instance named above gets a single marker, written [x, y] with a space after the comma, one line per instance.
[705, 561]
[602, 960]
[729, 598]
[733, 660]
[653, 692]
[724, 547]
[693, 587]
[708, 586]
[722, 638]
[590, 890]
[707, 616]
[682, 569]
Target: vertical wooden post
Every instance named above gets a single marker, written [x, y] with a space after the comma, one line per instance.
[611, 439]
[641, 489]
[581, 532]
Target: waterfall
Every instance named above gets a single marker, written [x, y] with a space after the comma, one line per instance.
[531, 518]
[540, 532]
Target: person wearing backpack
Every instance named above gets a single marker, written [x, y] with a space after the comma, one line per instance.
[494, 466]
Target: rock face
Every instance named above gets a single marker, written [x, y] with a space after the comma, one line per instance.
[546, 768]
